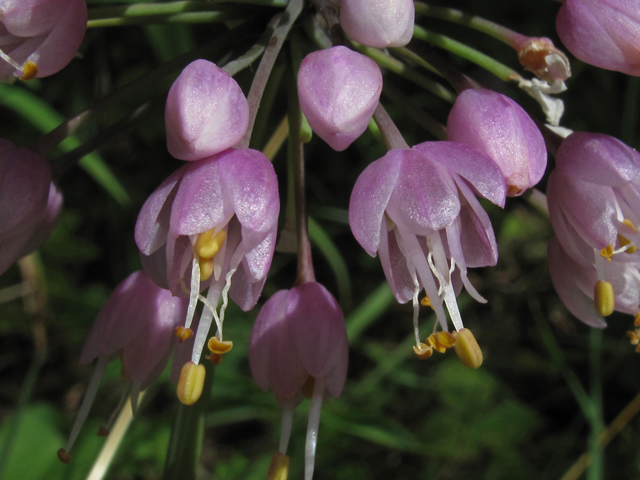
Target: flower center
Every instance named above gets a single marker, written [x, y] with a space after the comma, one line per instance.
[29, 69]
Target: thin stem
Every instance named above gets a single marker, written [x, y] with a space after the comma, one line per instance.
[498, 69]
[421, 117]
[62, 131]
[188, 17]
[480, 24]
[596, 467]
[392, 136]
[399, 68]
[266, 64]
[170, 8]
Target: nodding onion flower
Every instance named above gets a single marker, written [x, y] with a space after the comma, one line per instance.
[416, 208]
[594, 205]
[212, 225]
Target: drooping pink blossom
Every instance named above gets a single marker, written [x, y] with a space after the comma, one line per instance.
[338, 90]
[594, 206]
[25, 180]
[137, 323]
[208, 222]
[299, 346]
[206, 112]
[499, 127]
[378, 23]
[603, 33]
[39, 37]
[417, 210]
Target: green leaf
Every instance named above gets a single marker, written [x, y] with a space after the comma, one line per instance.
[42, 116]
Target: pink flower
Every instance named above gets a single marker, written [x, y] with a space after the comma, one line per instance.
[594, 205]
[208, 222]
[603, 33]
[137, 323]
[378, 23]
[500, 128]
[206, 112]
[25, 180]
[417, 210]
[339, 90]
[299, 345]
[39, 37]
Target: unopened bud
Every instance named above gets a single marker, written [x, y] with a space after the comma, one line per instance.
[467, 349]
[191, 383]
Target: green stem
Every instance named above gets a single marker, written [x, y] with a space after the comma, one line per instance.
[596, 467]
[480, 24]
[189, 17]
[390, 133]
[498, 69]
[171, 8]
[187, 431]
[399, 68]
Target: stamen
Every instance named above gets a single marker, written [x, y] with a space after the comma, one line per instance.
[191, 383]
[30, 71]
[183, 333]
[85, 406]
[10, 61]
[634, 337]
[604, 298]
[208, 244]
[607, 252]
[423, 351]
[279, 468]
[467, 349]
[312, 429]
[218, 346]
[193, 292]
[625, 242]
[426, 302]
[135, 395]
[636, 320]
[431, 341]
[285, 427]
[416, 307]
[206, 268]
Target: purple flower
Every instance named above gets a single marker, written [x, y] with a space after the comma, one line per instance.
[25, 180]
[378, 23]
[39, 37]
[208, 222]
[206, 112]
[417, 210]
[136, 323]
[339, 90]
[299, 346]
[603, 33]
[594, 205]
[500, 128]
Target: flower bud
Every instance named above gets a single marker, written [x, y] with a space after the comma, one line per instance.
[602, 33]
[378, 23]
[206, 112]
[339, 90]
[500, 128]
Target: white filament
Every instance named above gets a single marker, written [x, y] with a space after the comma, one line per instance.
[194, 292]
[285, 428]
[312, 428]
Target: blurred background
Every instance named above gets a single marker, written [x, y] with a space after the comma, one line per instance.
[536, 409]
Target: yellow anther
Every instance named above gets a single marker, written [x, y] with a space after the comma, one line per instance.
[103, 431]
[603, 298]
[426, 302]
[183, 333]
[433, 342]
[191, 383]
[607, 252]
[634, 337]
[279, 468]
[423, 351]
[467, 348]
[638, 349]
[513, 191]
[206, 268]
[64, 456]
[214, 358]
[218, 346]
[29, 71]
[636, 320]
[208, 244]
[445, 339]
[625, 241]
[307, 388]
